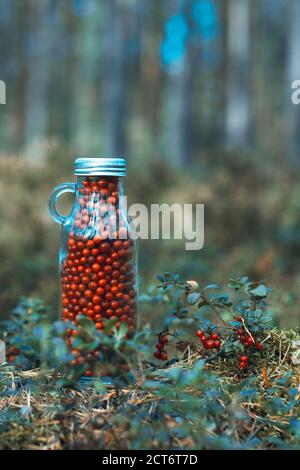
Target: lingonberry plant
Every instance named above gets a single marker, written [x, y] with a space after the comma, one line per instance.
[34, 340]
[213, 324]
[207, 389]
[205, 322]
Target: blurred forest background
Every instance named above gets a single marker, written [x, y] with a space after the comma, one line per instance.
[195, 93]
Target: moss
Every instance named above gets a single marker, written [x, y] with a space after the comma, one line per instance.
[259, 409]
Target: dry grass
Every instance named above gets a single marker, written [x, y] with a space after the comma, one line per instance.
[82, 418]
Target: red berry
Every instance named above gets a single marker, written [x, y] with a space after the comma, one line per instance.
[117, 245]
[90, 244]
[71, 242]
[97, 239]
[243, 365]
[102, 183]
[259, 346]
[244, 358]
[88, 294]
[209, 344]
[162, 356]
[200, 333]
[96, 299]
[217, 344]
[105, 247]
[96, 268]
[250, 341]
[214, 336]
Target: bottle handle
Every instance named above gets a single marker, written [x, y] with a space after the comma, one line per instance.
[53, 198]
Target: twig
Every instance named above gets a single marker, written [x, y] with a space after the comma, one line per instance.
[266, 338]
[249, 333]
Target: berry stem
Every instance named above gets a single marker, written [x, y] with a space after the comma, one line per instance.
[246, 329]
[266, 339]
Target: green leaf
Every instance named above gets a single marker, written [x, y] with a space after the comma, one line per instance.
[109, 325]
[260, 291]
[212, 286]
[86, 324]
[84, 345]
[193, 298]
[60, 350]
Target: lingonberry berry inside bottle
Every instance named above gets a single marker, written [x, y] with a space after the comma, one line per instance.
[97, 260]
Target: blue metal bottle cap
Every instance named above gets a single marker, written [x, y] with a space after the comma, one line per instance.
[100, 166]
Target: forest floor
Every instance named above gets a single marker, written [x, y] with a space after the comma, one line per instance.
[259, 409]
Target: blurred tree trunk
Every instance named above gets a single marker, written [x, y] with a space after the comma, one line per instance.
[237, 110]
[178, 108]
[11, 61]
[62, 73]
[19, 54]
[86, 123]
[293, 73]
[179, 113]
[113, 76]
[38, 78]
[150, 79]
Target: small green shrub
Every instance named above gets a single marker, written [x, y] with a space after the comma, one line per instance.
[198, 398]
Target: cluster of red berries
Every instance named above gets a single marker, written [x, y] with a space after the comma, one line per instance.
[98, 211]
[243, 362]
[161, 353]
[87, 359]
[211, 341]
[12, 353]
[91, 361]
[246, 339]
[98, 273]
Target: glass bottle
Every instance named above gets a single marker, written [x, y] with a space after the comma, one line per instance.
[97, 264]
